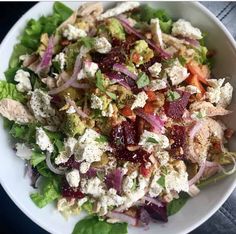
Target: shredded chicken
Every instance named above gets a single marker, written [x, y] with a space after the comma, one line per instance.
[15, 111]
[94, 9]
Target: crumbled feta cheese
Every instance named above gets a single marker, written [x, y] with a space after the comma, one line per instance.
[109, 112]
[40, 104]
[119, 9]
[155, 69]
[96, 102]
[90, 68]
[128, 184]
[198, 114]
[64, 205]
[88, 149]
[226, 95]
[177, 181]
[150, 139]
[82, 201]
[73, 178]
[163, 157]
[64, 156]
[156, 31]
[108, 200]
[177, 73]
[71, 110]
[84, 167]
[22, 77]
[192, 89]
[92, 186]
[23, 151]
[43, 141]
[155, 189]
[60, 58]
[157, 84]
[140, 100]
[72, 33]
[219, 94]
[185, 29]
[102, 45]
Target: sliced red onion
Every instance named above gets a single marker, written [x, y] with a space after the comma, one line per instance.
[199, 174]
[123, 69]
[153, 201]
[230, 172]
[144, 217]
[212, 164]
[79, 111]
[193, 42]
[130, 29]
[51, 167]
[194, 130]
[67, 84]
[80, 86]
[118, 79]
[193, 190]
[154, 120]
[45, 63]
[122, 217]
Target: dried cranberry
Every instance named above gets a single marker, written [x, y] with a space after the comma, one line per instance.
[106, 61]
[139, 124]
[70, 192]
[127, 44]
[157, 212]
[114, 180]
[175, 109]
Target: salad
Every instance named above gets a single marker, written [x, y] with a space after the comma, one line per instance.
[116, 113]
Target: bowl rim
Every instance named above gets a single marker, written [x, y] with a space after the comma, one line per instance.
[47, 228]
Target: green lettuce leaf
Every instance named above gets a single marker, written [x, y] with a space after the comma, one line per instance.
[8, 90]
[10, 74]
[36, 158]
[62, 10]
[43, 170]
[177, 204]
[24, 133]
[92, 224]
[142, 80]
[49, 192]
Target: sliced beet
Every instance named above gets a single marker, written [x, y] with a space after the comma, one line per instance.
[157, 212]
[178, 134]
[175, 109]
[70, 192]
[71, 163]
[114, 180]
[143, 217]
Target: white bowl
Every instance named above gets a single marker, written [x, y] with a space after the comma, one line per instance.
[197, 210]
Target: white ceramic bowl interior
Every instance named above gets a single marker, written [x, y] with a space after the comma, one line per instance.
[197, 210]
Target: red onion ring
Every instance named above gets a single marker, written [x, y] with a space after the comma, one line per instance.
[199, 174]
[123, 69]
[51, 167]
[195, 129]
[79, 112]
[80, 86]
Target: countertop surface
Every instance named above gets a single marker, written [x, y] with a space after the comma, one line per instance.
[12, 220]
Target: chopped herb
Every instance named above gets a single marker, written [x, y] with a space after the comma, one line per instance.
[152, 140]
[111, 95]
[182, 60]
[88, 42]
[101, 139]
[162, 181]
[143, 80]
[172, 96]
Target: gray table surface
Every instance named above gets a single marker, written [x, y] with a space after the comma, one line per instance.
[222, 222]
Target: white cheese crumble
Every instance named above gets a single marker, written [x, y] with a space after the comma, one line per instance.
[185, 29]
[157, 85]
[163, 157]
[119, 9]
[155, 69]
[109, 112]
[177, 72]
[140, 100]
[102, 45]
[82, 201]
[149, 140]
[93, 187]
[219, 94]
[43, 141]
[128, 184]
[155, 189]
[40, 104]
[177, 181]
[89, 70]
[22, 77]
[96, 102]
[23, 151]
[156, 31]
[192, 89]
[72, 33]
[88, 149]
[71, 110]
[84, 167]
[60, 58]
[73, 178]
[64, 156]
